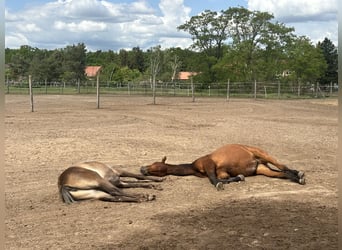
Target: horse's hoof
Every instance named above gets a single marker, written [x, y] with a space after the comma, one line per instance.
[219, 186]
[301, 174]
[150, 197]
[242, 177]
[301, 181]
[157, 187]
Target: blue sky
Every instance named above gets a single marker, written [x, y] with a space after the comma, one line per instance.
[113, 24]
[196, 5]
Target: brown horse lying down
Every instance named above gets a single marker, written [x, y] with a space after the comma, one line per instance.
[227, 164]
[98, 181]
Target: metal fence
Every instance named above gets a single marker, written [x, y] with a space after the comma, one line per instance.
[225, 90]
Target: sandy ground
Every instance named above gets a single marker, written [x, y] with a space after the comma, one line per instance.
[128, 132]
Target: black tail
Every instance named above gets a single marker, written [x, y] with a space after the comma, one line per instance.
[65, 195]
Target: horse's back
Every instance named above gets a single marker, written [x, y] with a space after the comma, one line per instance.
[232, 154]
[234, 159]
[79, 178]
[100, 168]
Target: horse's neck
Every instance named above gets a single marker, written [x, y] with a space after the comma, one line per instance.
[180, 169]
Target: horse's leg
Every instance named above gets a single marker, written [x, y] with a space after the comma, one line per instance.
[225, 178]
[219, 178]
[238, 178]
[264, 158]
[93, 194]
[263, 169]
[141, 177]
[210, 169]
[119, 195]
[117, 182]
[137, 198]
[119, 199]
[111, 187]
[124, 184]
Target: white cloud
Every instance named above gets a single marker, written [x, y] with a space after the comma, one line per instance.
[317, 31]
[174, 13]
[28, 27]
[104, 24]
[315, 19]
[15, 40]
[100, 24]
[83, 26]
[85, 9]
[10, 17]
[140, 7]
[297, 11]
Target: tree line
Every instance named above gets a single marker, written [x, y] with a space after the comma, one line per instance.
[236, 44]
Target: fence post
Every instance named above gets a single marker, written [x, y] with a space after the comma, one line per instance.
[8, 88]
[278, 89]
[31, 93]
[98, 89]
[317, 89]
[265, 91]
[192, 90]
[78, 86]
[228, 90]
[255, 89]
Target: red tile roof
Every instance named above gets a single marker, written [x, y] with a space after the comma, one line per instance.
[92, 71]
[185, 75]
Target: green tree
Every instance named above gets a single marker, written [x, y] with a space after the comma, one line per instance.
[155, 66]
[123, 57]
[39, 67]
[331, 57]
[55, 65]
[96, 58]
[136, 59]
[74, 62]
[255, 42]
[208, 30]
[257, 37]
[108, 71]
[20, 61]
[125, 75]
[306, 62]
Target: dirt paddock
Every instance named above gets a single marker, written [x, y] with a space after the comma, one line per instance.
[128, 132]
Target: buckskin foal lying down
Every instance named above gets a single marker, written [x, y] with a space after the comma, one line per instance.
[98, 181]
[227, 164]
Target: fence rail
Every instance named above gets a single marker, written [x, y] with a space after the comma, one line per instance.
[226, 90]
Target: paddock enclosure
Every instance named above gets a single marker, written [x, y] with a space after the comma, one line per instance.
[189, 213]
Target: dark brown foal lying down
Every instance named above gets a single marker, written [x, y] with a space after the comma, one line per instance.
[97, 181]
[227, 164]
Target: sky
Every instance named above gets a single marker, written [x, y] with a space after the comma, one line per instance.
[114, 25]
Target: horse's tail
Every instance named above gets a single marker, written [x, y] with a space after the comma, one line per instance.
[65, 195]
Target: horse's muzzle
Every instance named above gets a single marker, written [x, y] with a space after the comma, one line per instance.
[144, 170]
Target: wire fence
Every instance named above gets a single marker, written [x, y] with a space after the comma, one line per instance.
[224, 90]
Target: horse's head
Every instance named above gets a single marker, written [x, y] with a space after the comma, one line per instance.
[156, 169]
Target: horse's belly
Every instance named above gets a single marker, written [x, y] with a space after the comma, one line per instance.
[235, 160]
[244, 168]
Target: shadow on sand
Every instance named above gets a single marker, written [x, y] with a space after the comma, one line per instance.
[245, 224]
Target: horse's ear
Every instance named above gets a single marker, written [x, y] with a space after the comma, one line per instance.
[164, 159]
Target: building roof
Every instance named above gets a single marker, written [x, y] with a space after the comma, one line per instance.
[185, 75]
[92, 71]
